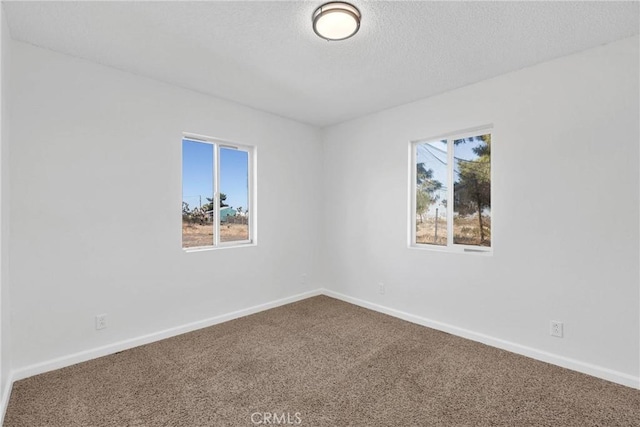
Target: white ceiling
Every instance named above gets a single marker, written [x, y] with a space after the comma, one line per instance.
[265, 54]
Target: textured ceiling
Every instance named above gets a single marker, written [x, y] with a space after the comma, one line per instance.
[265, 54]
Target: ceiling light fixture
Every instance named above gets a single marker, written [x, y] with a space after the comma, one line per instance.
[336, 20]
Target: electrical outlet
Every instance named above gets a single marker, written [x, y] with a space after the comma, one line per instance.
[381, 288]
[303, 279]
[101, 321]
[557, 329]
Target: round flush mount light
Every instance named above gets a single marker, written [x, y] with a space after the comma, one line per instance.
[336, 20]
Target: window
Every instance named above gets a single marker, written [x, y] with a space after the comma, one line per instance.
[217, 193]
[453, 169]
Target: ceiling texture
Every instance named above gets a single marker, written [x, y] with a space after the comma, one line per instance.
[265, 54]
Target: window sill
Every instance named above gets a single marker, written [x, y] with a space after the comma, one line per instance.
[233, 245]
[453, 249]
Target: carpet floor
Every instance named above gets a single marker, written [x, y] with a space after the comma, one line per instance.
[319, 362]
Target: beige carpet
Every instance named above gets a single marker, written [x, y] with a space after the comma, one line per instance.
[332, 363]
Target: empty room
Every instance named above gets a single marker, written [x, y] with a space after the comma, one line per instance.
[362, 213]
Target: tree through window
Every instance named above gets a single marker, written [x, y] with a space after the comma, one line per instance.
[451, 197]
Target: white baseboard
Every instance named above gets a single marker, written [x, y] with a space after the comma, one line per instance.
[83, 356]
[565, 362]
[72, 359]
[6, 395]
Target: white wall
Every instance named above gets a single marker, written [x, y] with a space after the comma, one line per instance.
[5, 348]
[565, 211]
[95, 195]
[95, 207]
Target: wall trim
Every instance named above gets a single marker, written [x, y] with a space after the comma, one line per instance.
[554, 359]
[83, 356]
[6, 395]
[94, 353]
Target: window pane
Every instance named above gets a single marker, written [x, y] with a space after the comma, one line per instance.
[197, 194]
[431, 193]
[234, 195]
[472, 191]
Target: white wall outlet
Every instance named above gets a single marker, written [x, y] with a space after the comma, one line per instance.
[303, 279]
[101, 321]
[381, 288]
[557, 329]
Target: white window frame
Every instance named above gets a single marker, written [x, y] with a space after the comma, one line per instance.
[450, 246]
[217, 144]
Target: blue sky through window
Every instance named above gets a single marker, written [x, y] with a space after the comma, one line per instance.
[434, 156]
[234, 177]
[197, 174]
